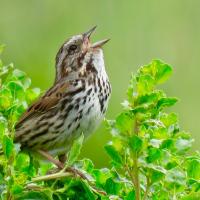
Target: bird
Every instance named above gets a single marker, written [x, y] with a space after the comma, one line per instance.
[74, 105]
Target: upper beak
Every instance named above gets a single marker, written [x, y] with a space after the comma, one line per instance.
[88, 33]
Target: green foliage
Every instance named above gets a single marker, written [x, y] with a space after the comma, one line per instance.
[152, 148]
[75, 150]
[148, 151]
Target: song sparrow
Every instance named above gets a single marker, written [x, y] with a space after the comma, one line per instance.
[75, 104]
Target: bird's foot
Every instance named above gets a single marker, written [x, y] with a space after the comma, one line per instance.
[50, 158]
[62, 158]
[61, 165]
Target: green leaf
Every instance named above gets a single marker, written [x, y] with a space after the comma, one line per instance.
[16, 89]
[22, 160]
[168, 144]
[7, 146]
[161, 70]
[169, 119]
[24, 165]
[155, 143]
[193, 168]
[150, 98]
[171, 165]
[17, 189]
[87, 165]
[130, 196]
[192, 196]
[154, 154]
[5, 103]
[101, 175]
[4, 91]
[141, 109]
[5, 71]
[145, 84]
[183, 145]
[88, 192]
[20, 75]
[157, 173]
[113, 153]
[32, 94]
[156, 176]
[75, 150]
[135, 143]
[124, 122]
[33, 195]
[166, 102]
[194, 184]
[112, 186]
[176, 176]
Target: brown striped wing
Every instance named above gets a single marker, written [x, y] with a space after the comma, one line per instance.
[45, 103]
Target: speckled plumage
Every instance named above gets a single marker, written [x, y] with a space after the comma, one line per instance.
[76, 102]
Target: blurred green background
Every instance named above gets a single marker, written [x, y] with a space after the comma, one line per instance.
[33, 30]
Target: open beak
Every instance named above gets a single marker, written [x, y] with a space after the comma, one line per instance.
[99, 44]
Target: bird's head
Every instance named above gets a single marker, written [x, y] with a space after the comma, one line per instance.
[75, 52]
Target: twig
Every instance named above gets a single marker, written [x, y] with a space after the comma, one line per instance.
[32, 186]
[50, 177]
[130, 174]
[96, 190]
[147, 189]
[62, 175]
[75, 172]
[136, 178]
[136, 171]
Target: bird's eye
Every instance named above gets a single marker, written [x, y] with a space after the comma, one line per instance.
[72, 47]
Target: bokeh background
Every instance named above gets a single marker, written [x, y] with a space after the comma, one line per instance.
[33, 30]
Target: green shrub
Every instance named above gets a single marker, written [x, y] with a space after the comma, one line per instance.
[148, 151]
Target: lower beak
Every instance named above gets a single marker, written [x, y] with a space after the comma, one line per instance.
[99, 44]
